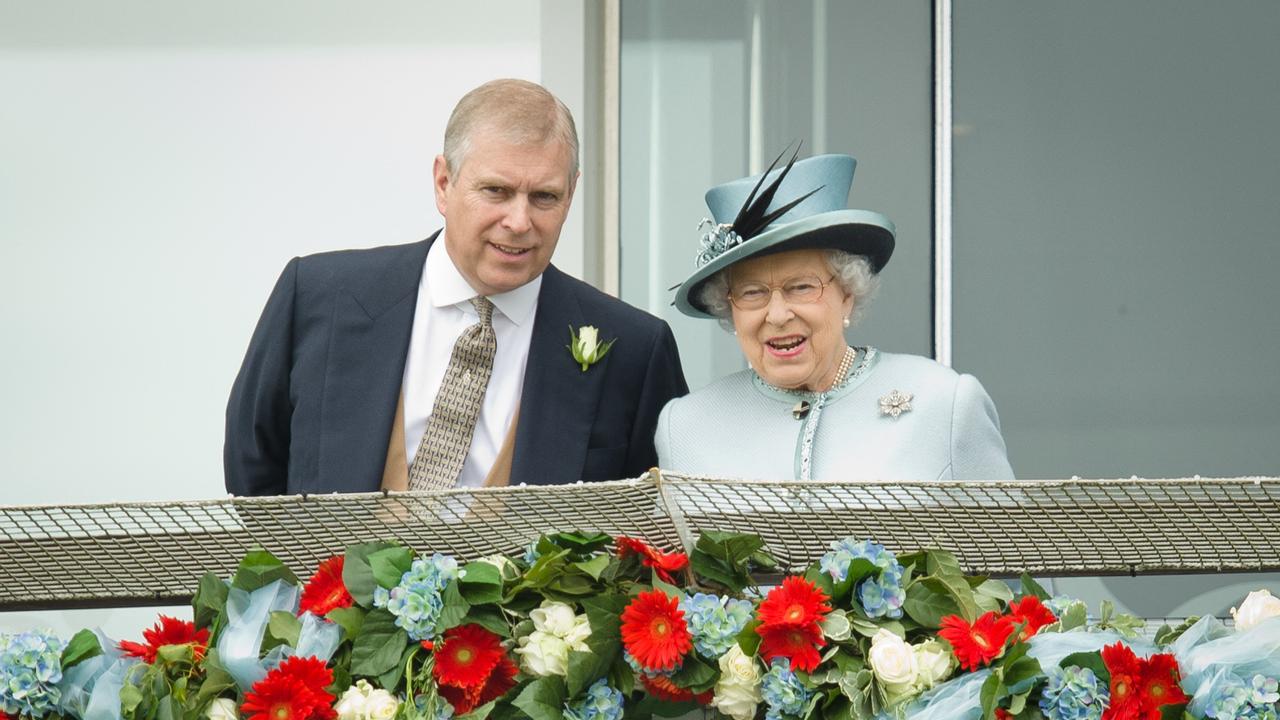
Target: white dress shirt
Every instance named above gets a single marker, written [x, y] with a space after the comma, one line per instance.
[443, 311]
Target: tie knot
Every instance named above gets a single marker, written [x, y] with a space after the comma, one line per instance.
[485, 309]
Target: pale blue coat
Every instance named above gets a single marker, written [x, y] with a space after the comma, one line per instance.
[740, 427]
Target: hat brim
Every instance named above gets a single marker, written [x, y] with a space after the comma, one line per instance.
[858, 232]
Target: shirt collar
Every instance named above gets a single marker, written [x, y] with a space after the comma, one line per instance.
[445, 286]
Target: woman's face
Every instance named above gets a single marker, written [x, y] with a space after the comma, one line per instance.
[791, 344]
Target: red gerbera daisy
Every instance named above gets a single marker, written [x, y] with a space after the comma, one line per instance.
[325, 590]
[467, 656]
[662, 688]
[295, 690]
[1002, 714]
[1160, 680]
[793, 603]
[797, 643]
[168, 631]
[977, 644]
[500, 680]
[1125, 668]
[663, 563]
[1031, 614]
[654, 631]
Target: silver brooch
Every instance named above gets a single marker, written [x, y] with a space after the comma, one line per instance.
[716, 241]
[895, 403]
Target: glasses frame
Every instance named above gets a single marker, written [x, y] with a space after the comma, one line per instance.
[822, 289]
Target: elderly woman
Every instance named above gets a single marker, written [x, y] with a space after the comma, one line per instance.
[789, 268]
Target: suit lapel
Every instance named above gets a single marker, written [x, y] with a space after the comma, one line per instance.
[372, 323]
[558, 401]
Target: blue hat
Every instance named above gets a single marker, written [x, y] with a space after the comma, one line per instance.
[803, 205]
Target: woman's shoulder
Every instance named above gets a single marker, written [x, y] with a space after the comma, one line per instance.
[892, 366]
[730, 388]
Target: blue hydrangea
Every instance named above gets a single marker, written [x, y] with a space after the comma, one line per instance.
[416, 601]
[1233, 698]
[785, 697]
[30, 667]
[1073, 693]
[715, 622]
[531, 553]
[444, 711]
[600, 703]
[880, 595]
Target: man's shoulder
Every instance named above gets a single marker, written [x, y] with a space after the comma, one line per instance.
[360, 261]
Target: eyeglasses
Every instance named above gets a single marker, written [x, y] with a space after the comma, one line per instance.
[801, 290]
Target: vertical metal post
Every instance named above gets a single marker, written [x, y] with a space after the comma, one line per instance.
[942, 289]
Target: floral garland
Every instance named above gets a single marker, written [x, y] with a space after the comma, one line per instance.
[589, 627]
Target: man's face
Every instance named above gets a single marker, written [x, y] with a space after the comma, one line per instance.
[503, 209]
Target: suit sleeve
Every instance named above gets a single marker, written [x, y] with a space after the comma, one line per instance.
[663, 380]
[255, 455]
[977, 448]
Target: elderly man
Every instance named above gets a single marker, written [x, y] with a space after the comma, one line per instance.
[446, 362]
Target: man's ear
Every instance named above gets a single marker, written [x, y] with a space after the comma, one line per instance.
[573, 184]
[440, 182]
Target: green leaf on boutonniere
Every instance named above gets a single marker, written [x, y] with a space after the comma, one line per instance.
[585, 346]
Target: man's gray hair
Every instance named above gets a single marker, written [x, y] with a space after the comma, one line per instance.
[852, 272]
[522, 112]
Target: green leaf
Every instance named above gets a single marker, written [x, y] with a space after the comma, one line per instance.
[580, 544]
[749, 640]
[260, 568]
[378, 646]
[695, 674]
[209, 601]
[1018, 703]
[392, 677]
[350, 619]
[940, 563]
[1174, 712]
[481, 583]
[1091, 660]
[1021, 674]
[573, 585]
[1031, 587]
[542, 699]
[490, 618]
[357, 573]
[959, 591]
[990, 696]
[595, 566]
[284, 628]
[82, 646]
[670, 590]
[455, 607]
[928, 607]
[1167, 634]
[836, 626]
[1076, 616]
[729, 558]
[175, 654]
[216, 678]
[997, 589]
[389, 565]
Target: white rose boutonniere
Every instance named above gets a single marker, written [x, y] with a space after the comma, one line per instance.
[586, 346]
[1259, 606]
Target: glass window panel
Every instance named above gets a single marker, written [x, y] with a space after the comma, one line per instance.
[1116, 175]
[843, 77]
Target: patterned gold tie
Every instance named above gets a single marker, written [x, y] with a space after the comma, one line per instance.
[453, 418]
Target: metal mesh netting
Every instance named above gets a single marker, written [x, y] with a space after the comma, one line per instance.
[152, 553]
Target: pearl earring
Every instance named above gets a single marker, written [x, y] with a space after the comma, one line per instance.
[846, 321]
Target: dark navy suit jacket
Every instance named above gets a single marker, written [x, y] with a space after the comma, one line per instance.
[312, 407]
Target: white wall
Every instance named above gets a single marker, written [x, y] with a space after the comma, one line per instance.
[161, 162]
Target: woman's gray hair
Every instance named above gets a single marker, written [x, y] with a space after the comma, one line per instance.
[853, 272]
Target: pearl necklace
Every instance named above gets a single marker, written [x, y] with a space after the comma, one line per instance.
[801, 409]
